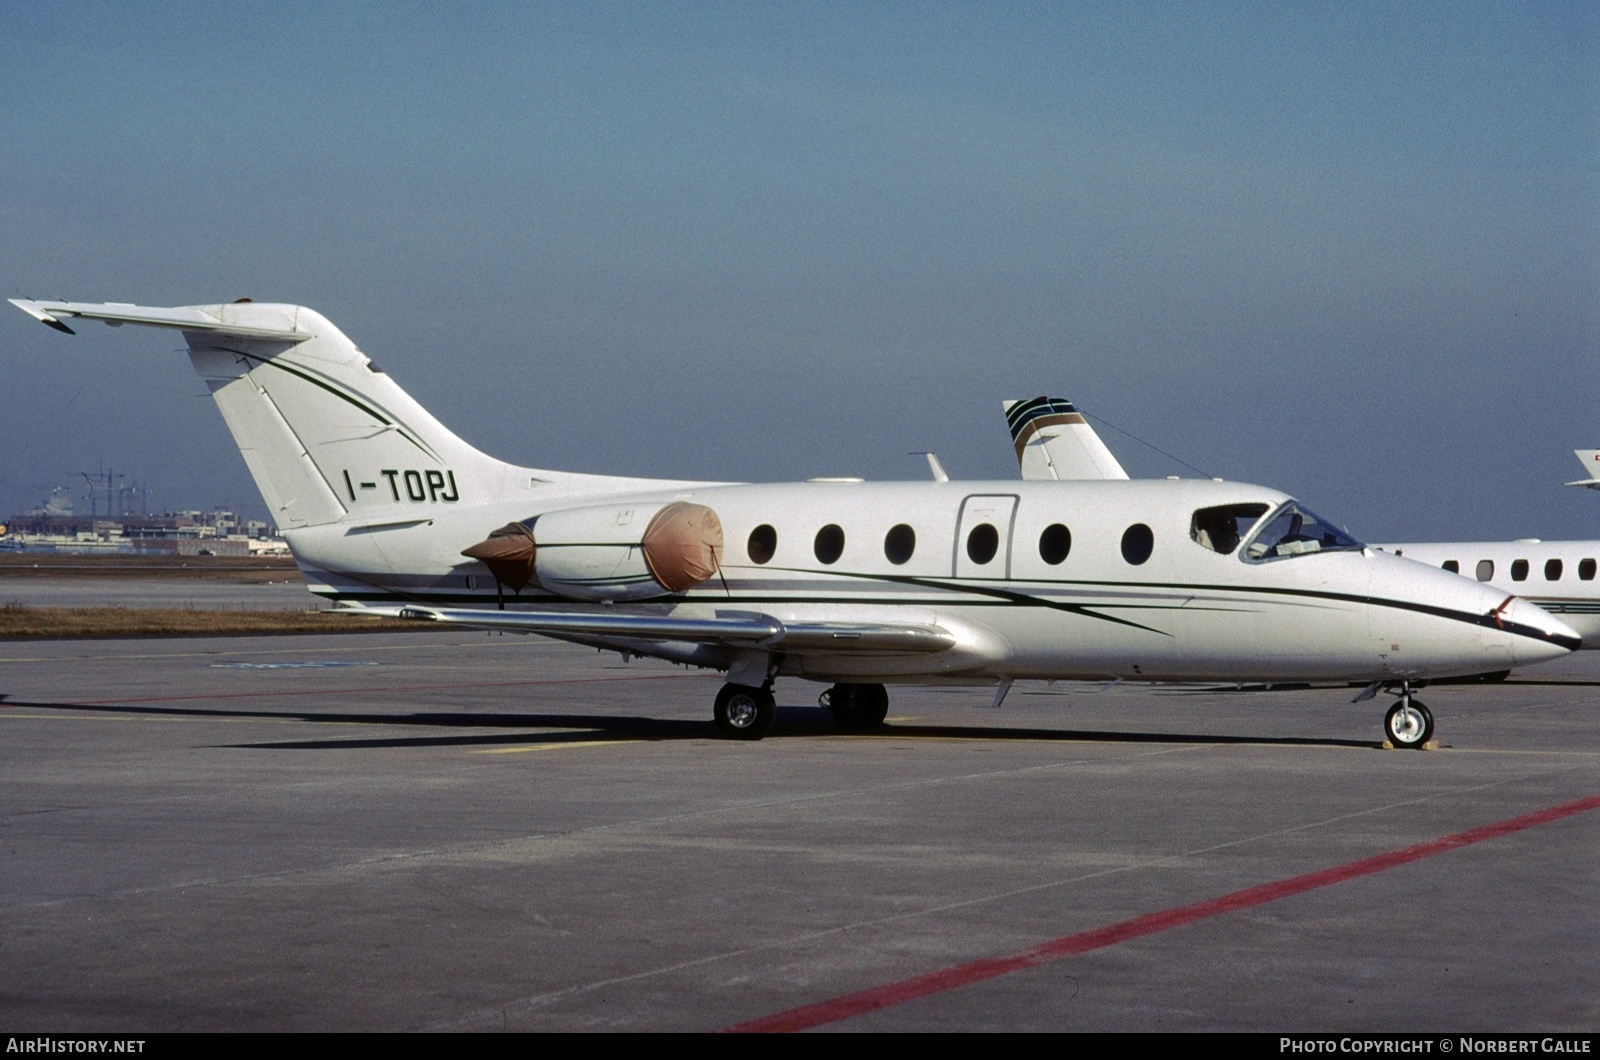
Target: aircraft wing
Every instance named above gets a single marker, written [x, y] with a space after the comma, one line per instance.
[739, 629]
[184, 318]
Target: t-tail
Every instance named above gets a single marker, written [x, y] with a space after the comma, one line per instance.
[1053, 441]
[328, 437]
[1590, 459]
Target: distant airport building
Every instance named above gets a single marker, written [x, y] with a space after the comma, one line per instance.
[57, 526]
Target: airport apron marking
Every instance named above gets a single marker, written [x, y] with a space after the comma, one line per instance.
[891, 994]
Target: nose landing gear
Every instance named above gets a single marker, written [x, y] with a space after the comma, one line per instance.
[1409, 723]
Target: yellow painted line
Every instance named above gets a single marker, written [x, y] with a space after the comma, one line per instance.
[552, 747]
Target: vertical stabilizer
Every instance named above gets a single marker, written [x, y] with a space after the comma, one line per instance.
[324, 431]
[1053, 441]
[326, 434]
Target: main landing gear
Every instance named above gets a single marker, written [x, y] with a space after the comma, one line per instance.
[1409, 724]
[744, 713]
[856, 708]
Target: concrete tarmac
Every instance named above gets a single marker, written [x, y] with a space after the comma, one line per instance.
[458, 831]
[169, 592]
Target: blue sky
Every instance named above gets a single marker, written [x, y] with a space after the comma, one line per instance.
[1351, 251]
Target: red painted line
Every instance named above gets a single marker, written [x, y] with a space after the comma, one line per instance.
[839, 1008]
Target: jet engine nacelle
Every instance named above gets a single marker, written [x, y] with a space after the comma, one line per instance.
[627, 552]
[616, 552]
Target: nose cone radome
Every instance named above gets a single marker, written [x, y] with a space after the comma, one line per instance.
[1536, 635]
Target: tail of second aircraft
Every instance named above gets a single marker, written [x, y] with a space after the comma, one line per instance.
[1054, 441]
[326, 434]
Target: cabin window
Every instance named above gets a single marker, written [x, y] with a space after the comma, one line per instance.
[1137, 543]
[1552, 570]
[763, 543]
[1220, 529]
[982, 543]
[899, 543]
[1519, 570]
[829, 545]
[1586, 570]
[1055, 543]
[1297, 531]
[1485, 570]
[1452, 566]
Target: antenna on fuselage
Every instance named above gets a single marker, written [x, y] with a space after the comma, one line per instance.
[939, 473]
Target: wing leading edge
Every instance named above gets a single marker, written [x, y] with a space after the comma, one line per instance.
[726, 629]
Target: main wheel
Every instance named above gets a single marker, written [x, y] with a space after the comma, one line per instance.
[1408, 724]
[744, 713]
[857, 708]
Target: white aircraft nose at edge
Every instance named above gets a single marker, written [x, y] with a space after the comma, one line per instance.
[1054, 441]
[833, 581]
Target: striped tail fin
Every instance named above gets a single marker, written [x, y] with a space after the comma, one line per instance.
[1054, 441]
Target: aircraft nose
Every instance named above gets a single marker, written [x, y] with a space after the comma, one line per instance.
[1536, 634]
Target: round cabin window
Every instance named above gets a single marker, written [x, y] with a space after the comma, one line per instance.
[982, 543]
[829, 545]
[899, 543]
[763, 543]
[1055, 543]
[1137, 543]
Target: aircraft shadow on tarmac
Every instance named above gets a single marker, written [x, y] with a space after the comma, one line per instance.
[1234, 690]
[793, 722]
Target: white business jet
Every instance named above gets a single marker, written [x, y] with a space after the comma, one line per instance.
[1559, 576]
[1054, 441]
[834, 581]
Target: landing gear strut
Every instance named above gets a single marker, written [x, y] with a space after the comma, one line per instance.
[744, 713]
[1409, 724]
[856, 708]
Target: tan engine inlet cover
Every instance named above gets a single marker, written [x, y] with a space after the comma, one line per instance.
[683, 545]
[509, 553]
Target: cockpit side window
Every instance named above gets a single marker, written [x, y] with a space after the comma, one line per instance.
[1220, 529]
[1297, 531]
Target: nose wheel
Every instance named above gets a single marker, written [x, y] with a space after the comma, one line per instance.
[1409, 724]
[744, 713]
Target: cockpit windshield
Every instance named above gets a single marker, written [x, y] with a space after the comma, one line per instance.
[1297, 531]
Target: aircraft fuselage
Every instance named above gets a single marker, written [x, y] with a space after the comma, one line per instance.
[1182, 612]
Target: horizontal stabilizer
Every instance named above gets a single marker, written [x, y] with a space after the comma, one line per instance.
[1590, 459]
[182, 318]
[730, 629]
